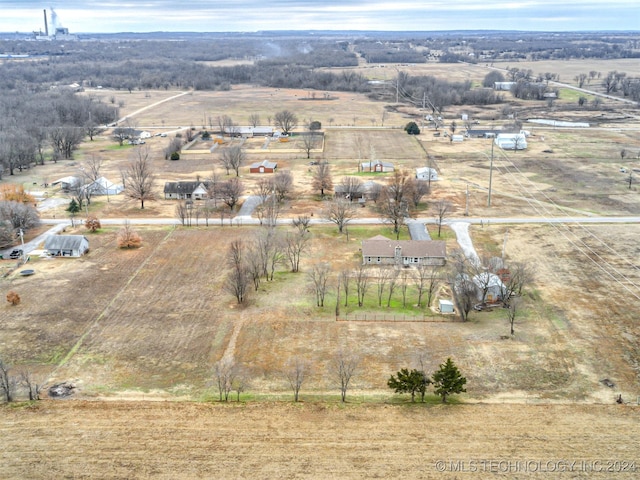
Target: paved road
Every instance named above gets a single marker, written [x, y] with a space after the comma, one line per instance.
[416, 224]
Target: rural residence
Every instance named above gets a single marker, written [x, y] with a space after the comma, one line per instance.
[66, 245]
[186, 190]
[381, 250]
[426, 173]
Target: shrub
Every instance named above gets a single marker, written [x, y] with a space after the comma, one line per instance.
[127, 238]
[92, 224]
[175, 156]
[13, 298]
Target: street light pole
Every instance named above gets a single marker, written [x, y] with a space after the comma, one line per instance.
[490, 174]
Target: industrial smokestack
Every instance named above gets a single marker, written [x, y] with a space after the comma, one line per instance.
[46, 26]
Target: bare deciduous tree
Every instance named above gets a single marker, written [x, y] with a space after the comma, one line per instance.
[310, 141]
[286, 120]
[231, 191]
[344, 366]
[512, 312]
[232, 158]
[268, 212]
[340, 212]
[442, 208]
[345, 281]
[264, 188]
[254, 120]
[7, 382]
[33, 385]
[319, 276]
[361, 276]
[239, 278]
[426, 279]
[417, 190]
[351, 187]
[393, 283]
[301, 223]
[140, 176]
[294, 373]
[382, 278]
[322, 178]
[224, 373]
[295, 244]
[282, 184]
[127, 237]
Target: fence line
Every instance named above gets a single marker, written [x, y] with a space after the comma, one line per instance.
[385, 317]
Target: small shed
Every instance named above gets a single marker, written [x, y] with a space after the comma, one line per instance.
[457, 138]
[264, 166]
[66, 245]
[445, 306]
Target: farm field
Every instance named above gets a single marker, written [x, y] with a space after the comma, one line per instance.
[168, 440]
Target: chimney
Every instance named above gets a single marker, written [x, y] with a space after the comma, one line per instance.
[46, 26]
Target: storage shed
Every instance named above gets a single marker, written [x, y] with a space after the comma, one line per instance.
[445, 306]
[66, 245]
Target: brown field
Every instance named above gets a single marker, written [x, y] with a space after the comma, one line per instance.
[113, 440]
[149, 324]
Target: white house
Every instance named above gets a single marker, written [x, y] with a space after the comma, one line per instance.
[66, 245]
[426, 173]
[511, 141]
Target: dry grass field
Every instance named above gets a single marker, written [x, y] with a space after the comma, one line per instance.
[114, 440]
[149, 324]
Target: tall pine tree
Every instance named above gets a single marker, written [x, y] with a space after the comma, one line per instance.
[448, 380]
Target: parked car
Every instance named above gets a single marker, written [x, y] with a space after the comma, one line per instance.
[16, 253]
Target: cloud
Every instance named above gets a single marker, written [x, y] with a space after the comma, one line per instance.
[244, 15]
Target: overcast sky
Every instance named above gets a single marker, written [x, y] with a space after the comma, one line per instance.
[109, 16]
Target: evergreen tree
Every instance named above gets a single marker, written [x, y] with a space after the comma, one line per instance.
[448, 380]
[412, 128]
[73, 209]
[409, 382]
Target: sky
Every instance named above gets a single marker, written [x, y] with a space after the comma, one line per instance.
[112, 16]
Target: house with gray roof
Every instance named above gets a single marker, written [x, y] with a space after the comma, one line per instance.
[66, 245]
[381, 250]
[186, 190]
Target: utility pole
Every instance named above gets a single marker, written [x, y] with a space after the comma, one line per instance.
[466, 203]
[504, 244]
[490, 174]
[24, 255]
